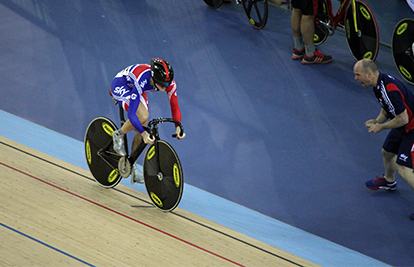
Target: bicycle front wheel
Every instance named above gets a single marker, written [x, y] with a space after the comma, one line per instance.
[362, 31]
[403, 49]
[256, 11]
[214, 3]
[163, 176]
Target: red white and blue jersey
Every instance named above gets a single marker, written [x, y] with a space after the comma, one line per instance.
[129, 88]
[394, 98]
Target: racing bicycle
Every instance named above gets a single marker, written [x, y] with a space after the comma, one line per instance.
[162, 170]
[356, 17]
[255, 10]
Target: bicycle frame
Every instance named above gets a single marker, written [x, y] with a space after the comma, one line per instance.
[135, 153]
[339, 17]
[153, 126]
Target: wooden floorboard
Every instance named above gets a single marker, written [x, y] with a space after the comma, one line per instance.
[53, 213]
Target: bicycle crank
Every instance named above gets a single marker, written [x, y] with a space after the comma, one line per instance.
[124, 167]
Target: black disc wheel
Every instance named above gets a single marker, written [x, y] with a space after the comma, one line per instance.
[163, 175]
[321, 34]
[100, 156]
[403, 49]
[214, 3]
[361, 31]
[322, 23]
[256, 11]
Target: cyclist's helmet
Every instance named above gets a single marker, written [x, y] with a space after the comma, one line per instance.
[161, 72]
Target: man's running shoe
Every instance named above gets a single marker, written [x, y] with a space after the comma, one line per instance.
[381, 183]
[317, 58]
[136, 176]
[118, 140]
[298, 54]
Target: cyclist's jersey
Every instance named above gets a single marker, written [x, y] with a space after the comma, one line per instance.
[129, 88]
[394, 98]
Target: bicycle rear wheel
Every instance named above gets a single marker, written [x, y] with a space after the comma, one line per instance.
[214, 3]
[256, 11]
[322, 19]
[104, 168]
[321, 33]
[403, 49]
[363, 42]
[163, 176]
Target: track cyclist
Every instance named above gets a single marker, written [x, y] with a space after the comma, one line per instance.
[129, 89]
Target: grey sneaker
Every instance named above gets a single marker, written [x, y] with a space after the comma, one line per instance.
[118, 140]
[136, 176]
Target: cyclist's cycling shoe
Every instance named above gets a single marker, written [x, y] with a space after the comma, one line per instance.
[136, 176]
[118, 140]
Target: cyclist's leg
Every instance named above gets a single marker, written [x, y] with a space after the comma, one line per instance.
[143, 115]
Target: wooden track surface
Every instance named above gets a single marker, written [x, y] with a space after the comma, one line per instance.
[54, 214]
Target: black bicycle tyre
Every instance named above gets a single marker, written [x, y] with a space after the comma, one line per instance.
[365, 42]
[98, 135]
[403, 49]
[214, 3]
[166, 193]
[258, 18]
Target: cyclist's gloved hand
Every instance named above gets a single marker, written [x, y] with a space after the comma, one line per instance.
[178, 131]
[147, 138]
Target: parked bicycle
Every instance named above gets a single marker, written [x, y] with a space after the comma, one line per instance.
[361, 29]
[403, 49]
[255, 10]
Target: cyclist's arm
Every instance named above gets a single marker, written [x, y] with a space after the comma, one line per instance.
[172, 97]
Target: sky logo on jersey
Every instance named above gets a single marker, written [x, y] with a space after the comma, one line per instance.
[120, 90]
[143, 83]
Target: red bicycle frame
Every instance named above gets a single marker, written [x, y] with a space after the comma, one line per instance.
[339, 17]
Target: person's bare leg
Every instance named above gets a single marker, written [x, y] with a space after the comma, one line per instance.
[407, 174]
[295, 21]
[307, 28]
[390, 165]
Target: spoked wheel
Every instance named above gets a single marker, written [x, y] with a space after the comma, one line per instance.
[403, 49]
[214, 3]
[256, 11]
[362, 32]
[102, 160]
[163, 175]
